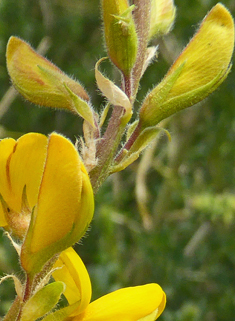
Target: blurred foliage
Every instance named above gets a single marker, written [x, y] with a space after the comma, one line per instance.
[168, 218]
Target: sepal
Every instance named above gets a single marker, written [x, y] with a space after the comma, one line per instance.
[104, 114]
[113, 93]
[17, 283]
[81, 106]
[151, 54]
[151, 115]
[43, 301]
[142, 141]
[62, 314]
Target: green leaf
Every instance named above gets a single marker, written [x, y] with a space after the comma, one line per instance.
[81, 106]
[143, 140]
[42, 301]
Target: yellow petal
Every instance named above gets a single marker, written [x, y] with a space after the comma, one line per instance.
[6, 148]
[64, 208]
[60, 193]
[74, 274]
[21, 166]
[144, 302]
[162, 17]
[26, 166]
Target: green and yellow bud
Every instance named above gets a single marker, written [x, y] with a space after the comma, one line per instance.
[198, 71]
[120, 33]
[162, 17]
[46, 195]
[42, 83]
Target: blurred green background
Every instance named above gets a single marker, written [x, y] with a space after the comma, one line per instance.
[169, 217]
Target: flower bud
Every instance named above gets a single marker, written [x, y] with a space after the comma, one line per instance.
[120, 34]
[42, 83]
[44, 184]
[162, 17]
[198, 71]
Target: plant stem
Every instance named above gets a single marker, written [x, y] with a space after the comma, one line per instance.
[14, 310]
[28, 288]
[128, 144]
[107, 148]
[142, 17]
[128, 86]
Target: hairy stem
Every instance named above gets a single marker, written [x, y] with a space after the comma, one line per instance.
[142, 18]
[107, 148]
[128, 144]
[14, 310]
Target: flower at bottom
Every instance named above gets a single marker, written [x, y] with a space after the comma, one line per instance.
[139, 303]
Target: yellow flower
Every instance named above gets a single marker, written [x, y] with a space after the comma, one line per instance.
[162, 17]
[199, 70]
[139, 303]
[43, 83]
[46, 195]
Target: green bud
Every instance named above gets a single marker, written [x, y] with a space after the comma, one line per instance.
[120, 34]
